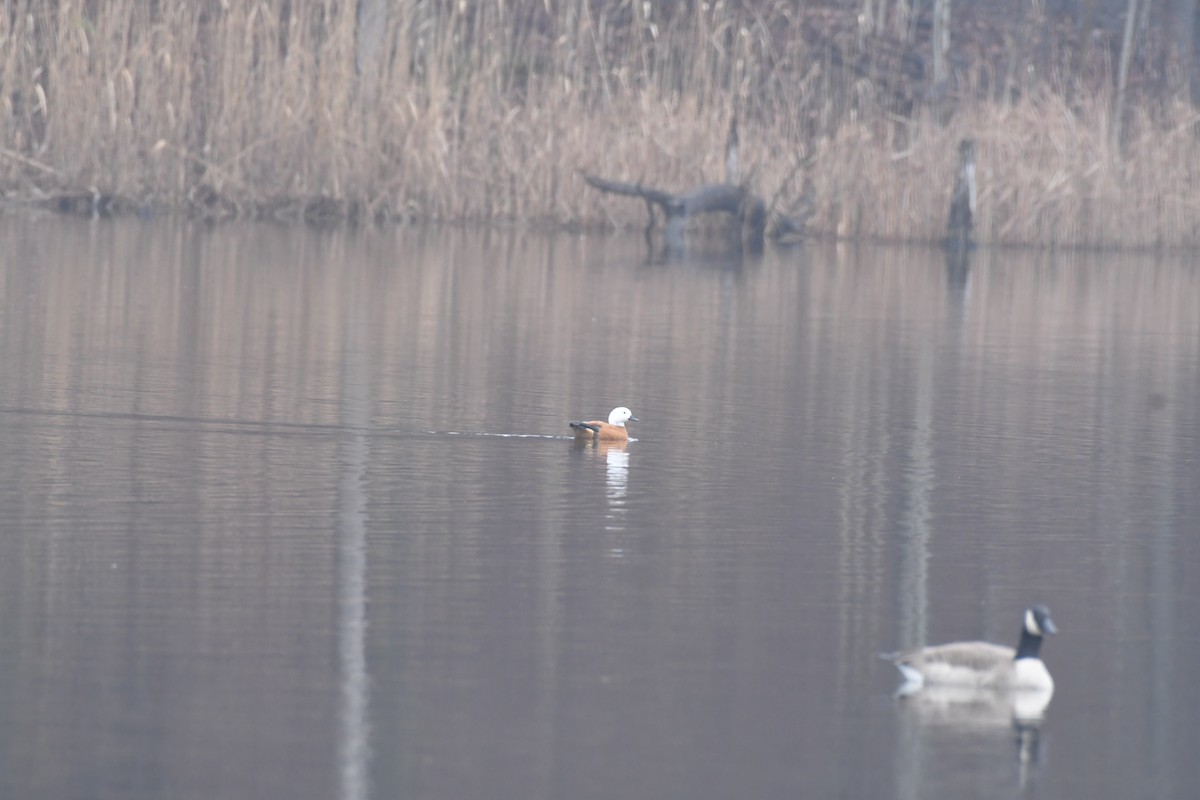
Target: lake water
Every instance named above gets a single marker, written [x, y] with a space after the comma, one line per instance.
[292, 513]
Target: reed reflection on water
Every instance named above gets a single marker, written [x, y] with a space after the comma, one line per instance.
[296, 513]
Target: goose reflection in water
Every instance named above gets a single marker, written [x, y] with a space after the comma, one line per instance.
[976, 708]
[964, 715]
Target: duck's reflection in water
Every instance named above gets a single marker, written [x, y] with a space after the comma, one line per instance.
[615, 458]
[616, 462]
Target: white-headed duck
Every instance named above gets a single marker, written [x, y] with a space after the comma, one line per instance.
[612, 431]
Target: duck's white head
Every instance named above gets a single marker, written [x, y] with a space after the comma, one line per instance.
[620, 416]
[1038, 622]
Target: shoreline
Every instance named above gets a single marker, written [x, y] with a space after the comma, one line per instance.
[276, 113]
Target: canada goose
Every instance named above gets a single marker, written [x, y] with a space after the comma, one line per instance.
[612, 431]
[982, 664]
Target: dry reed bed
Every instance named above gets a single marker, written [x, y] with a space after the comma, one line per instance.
[279, 108]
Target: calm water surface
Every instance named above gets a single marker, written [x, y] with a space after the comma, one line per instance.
[288, 513]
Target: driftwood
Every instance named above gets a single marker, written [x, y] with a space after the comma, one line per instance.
[747, 208]
[730, 197]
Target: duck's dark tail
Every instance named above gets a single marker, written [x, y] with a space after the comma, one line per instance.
[579, 427]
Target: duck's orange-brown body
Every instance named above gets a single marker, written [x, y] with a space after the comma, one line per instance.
[599, 431]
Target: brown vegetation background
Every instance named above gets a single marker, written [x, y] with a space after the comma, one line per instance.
[488, 111]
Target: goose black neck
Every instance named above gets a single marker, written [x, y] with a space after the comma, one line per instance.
[1029, 646]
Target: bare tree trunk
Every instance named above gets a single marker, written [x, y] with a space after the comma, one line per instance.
[733, 172]
[901, 15]
[1085, 20]
[1123, 74]
[1185, 26]
[866, 19]
[371, 25]
[941, 41]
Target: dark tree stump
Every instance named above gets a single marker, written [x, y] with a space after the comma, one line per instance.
[961, 222]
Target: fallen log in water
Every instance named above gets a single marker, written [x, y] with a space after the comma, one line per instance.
[744, 206]
[731, 197]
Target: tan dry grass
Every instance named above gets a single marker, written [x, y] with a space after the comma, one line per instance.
[1047, 173]
[490, 111]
